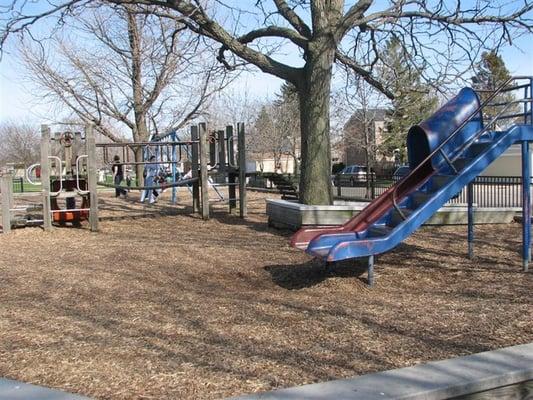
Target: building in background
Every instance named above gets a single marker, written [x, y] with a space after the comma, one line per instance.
[363, 135]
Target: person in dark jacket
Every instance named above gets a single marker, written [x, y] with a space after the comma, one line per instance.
[118, 176]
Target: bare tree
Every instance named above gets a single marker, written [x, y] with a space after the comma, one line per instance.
[233, 105]
[144, 72]
[265, 140]
[442, 37]
[362, 103]
[276, 129]
[287, 122]
[19, 143]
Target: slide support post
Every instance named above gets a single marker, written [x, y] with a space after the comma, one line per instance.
[526, 205]
[370, 271]
[470, 201]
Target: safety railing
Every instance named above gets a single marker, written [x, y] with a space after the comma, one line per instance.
[488, 191]
[528, 114]
[78, 159]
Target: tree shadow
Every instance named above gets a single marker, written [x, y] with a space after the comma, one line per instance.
[315, 271]
[130, 208]
[257, 226]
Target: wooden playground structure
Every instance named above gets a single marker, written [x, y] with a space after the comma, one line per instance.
[68, 173]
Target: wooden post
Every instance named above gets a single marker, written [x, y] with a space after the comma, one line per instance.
[194, 170]
[45, 176]
[6, 187]
[232, 177]
[203, 170]
[232, 192]
[242, 170]
[174, 169]
[212, 151]
[90, 147]
[221, 152]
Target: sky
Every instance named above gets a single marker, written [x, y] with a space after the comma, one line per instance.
[18, 102]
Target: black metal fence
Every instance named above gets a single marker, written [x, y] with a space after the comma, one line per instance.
[494, 191]
[18, 185]
[488, 191]
[23, 186]
[260, 181]
[363, 190]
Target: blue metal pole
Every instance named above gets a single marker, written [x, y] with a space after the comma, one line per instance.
[370, 271]
[174, 159]
[526, 205]
[525, 103]
[530, 104]
[469, 199]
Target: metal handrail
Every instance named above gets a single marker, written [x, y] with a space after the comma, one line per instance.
[469, 143]
[80, 191]
[60, 175]
[439, 148]
[232, 144]
[28, 174]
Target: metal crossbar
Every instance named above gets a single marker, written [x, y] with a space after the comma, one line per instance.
[142, 144]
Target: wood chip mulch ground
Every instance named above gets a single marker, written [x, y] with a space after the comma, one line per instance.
[160, 304]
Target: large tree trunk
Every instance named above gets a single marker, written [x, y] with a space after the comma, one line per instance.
[139, 168]
[140, 134]
[314, 92]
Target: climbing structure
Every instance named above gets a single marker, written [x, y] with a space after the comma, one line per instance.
[207, 153]
[446, 152]
[68, 177]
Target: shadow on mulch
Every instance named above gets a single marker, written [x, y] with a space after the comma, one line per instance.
[257, 226]
[313, 272]
[131, 208]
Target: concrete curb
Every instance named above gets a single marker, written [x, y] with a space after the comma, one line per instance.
[432, 381]
[14, 390]
[288, 214]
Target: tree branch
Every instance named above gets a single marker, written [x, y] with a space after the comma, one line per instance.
[293, 18]
[366, 75]
[274, 31]
[208, 27]
[352, 18]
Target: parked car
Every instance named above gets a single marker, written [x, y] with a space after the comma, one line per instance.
[400, 172]
[351, 175]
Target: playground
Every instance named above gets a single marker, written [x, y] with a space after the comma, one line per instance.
[161, 304]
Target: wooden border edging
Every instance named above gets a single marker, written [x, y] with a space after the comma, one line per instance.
[431, 381]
